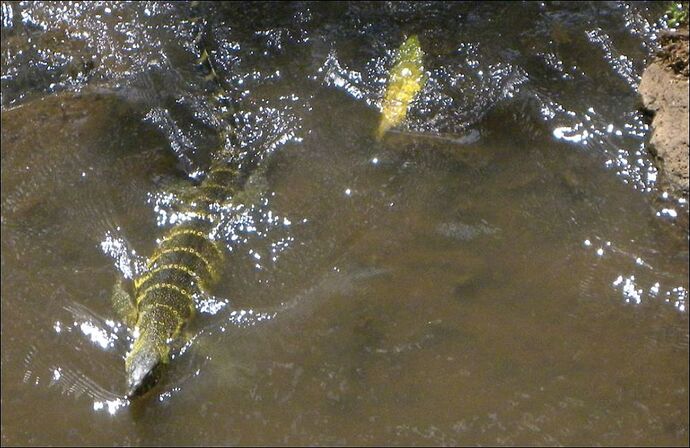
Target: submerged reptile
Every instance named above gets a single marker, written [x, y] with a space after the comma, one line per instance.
[405, 79]
[182, 268]
[187, 260]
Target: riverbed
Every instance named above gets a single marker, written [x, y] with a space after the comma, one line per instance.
[504, 268]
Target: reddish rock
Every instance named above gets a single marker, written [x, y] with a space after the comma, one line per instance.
[664, 91]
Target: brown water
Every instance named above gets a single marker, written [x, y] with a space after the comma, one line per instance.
[505, 269]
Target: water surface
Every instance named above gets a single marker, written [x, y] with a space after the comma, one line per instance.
[505, 268]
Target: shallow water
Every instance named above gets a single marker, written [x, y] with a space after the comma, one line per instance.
[504, 268]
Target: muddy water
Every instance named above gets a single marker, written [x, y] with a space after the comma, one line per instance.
[504, 268]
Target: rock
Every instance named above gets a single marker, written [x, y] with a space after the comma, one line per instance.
[464, 232]
[664, 91]
[674, 50]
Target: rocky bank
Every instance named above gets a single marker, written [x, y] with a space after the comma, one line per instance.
[664, 92]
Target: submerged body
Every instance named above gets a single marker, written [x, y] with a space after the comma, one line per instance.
[181, 269]
[405, 80]
[185, 263]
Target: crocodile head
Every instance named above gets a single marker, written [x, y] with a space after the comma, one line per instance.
[143, 368]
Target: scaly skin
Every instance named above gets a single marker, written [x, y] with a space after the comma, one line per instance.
[405, 80]
[183, 266]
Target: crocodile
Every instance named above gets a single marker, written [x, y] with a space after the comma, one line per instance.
[184, 265]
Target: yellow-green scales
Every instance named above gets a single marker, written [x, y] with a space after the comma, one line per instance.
[184, 265]
[405, 79]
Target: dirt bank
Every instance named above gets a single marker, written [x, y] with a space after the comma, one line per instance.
[664, 91]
